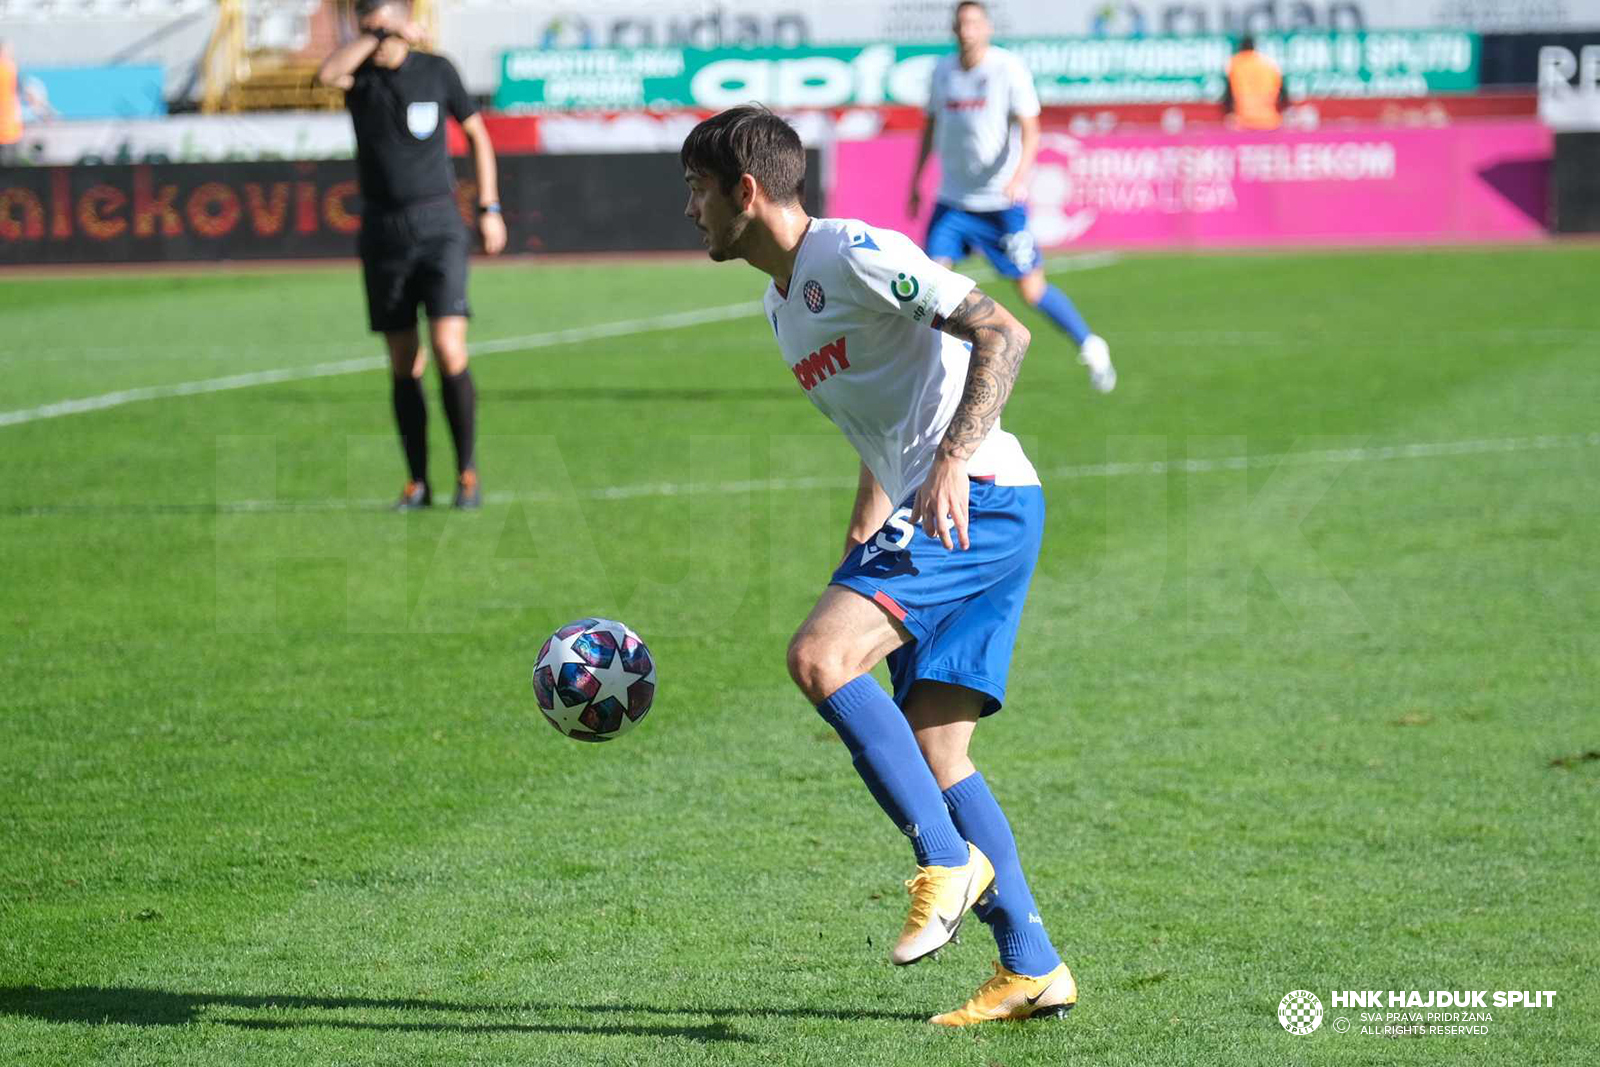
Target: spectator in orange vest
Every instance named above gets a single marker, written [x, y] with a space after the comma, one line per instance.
[1255, 96]
[10, 108]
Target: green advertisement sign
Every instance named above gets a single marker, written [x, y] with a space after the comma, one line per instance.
[667, 78]
[1066, 71]
[1177, 69]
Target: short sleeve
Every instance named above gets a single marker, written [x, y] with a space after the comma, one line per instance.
[1024, 95]
[936, 82]
[459, 104]
[360, 82]
[895, 277]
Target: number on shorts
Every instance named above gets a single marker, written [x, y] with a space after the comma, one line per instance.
[896, 533]
[1021, 249]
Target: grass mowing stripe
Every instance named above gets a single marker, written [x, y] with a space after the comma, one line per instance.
[1364, 454]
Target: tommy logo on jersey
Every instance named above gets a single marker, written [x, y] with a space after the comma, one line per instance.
[816, 299]
[972, 103]
[820, 365]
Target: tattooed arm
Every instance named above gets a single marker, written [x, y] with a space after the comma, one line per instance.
[998, 342]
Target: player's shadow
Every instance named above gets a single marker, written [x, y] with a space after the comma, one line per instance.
[94, 1006]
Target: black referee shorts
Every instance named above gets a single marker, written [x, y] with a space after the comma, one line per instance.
[414, 255]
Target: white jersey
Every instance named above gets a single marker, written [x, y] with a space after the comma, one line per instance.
[857, 328]
[972, 111]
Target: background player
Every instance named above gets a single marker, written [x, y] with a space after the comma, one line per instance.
[413, 245]
[1254, 97]
[858, 314]
[983, 117]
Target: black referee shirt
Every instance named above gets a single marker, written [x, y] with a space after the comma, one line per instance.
[399, 118]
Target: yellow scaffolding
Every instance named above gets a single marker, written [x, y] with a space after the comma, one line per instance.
[236, 78]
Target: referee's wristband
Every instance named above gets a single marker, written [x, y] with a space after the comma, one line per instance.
[489, 209]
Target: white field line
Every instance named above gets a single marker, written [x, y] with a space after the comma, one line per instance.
[1361, 454]
[207, 385]
[624, 328]
[111, 353]
[575, 335]
[1053, 265]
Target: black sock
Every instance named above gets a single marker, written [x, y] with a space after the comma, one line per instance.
[461, 408]
[411, 416]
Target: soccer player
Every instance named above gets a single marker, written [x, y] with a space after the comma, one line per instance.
[983, 116]
[914, 364]
[413, 244]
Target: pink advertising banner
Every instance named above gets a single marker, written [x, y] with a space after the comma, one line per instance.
[1482, 181]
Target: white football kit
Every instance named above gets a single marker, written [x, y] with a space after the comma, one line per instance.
[978, 144]
[857, 328]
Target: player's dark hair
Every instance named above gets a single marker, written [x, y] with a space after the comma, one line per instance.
[748, 139]
[971, 3]
[1247, 43]
[367, 7]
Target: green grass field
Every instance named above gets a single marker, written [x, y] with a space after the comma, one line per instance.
[1308, 693]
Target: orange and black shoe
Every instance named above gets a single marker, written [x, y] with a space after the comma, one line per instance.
[415, 496]
[468, 496]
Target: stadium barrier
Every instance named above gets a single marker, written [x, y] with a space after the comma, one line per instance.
[300, 135]
[1483, 181]
[212, 211]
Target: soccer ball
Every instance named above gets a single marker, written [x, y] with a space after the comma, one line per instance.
[594, 679]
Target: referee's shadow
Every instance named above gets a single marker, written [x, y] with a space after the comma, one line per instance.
[96, 1006]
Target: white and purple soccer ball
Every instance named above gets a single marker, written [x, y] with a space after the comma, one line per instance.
[594, 679]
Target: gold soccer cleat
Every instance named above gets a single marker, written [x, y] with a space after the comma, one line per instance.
[1016, 996]
[940, 897]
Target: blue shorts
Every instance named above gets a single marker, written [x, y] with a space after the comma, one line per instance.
[1002, 236]
[963, 607]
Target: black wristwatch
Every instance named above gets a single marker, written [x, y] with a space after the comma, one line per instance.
[490, 209]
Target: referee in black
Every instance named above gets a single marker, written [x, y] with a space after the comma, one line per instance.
[413, 244]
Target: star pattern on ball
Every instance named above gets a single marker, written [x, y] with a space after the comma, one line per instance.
[614, 680]
[559, 652]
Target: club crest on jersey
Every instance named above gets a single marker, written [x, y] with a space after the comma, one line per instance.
[422, 118]
[816, 300]
[905, 288]
[821, 365]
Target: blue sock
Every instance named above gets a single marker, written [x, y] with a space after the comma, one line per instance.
[1008, 908]
[887, 757]
[1064, 314]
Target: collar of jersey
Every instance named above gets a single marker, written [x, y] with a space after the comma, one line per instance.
[783, 294]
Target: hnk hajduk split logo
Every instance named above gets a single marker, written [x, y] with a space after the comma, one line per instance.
[1300, 1012]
